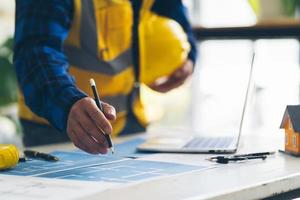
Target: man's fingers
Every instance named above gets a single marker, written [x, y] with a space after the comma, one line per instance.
[76, 133]
[184, 71]
[175, 80]
[85, 142]
[77, 142]
[179, 73]
[98, 117]
[168, 85]
[109, 111]
[86, 124]
[162, 87]
[92, 130]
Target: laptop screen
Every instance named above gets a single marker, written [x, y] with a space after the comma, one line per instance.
[220, 106]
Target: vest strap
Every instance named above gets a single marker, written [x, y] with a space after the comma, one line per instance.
[88, 30]
[83, 60]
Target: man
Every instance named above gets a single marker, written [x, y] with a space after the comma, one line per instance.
[59, 42]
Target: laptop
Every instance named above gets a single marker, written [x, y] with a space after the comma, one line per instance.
[200, 143]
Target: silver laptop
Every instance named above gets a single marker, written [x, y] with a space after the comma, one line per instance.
[200, 144]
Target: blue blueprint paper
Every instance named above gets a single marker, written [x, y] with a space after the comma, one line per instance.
[128, 148]
[78, 165]
[123, 171]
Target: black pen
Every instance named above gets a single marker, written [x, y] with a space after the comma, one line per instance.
[39, 155]
[98, 102]
[267, 153]
[245, 155]
[226, 160]
[22, 159]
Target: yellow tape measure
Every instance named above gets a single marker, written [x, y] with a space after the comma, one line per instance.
[9, 156]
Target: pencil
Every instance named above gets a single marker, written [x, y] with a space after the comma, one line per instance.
[98, 102]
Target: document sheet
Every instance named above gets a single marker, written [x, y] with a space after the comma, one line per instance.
[76, 168]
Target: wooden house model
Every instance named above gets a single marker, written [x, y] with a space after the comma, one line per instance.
[291, 124]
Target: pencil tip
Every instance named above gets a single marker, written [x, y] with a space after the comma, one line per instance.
[112, 150]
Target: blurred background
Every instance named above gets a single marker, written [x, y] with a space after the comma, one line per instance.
[10, 131]
[228, 32]
[213, 98]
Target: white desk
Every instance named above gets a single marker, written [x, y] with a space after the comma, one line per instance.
[248, 180]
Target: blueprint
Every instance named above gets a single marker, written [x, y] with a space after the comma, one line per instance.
[123, 167]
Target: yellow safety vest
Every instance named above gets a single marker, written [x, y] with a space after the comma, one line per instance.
[99, 46]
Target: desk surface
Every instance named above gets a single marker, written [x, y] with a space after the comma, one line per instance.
[248, 180]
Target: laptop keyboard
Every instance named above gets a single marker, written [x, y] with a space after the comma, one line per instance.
[209, 143]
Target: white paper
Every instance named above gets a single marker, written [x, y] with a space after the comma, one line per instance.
[33, 188]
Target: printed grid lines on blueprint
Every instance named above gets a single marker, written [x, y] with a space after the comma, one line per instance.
[123, 167]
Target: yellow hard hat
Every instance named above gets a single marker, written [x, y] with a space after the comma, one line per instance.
[164, 47]
[9, 156]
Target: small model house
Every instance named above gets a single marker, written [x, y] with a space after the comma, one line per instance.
[291, 124]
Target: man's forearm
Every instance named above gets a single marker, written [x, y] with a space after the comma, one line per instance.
[41, 66]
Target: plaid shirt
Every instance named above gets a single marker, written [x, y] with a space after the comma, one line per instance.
[41, 66]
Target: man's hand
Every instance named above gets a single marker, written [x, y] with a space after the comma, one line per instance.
[86, 124]
[174, 80]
